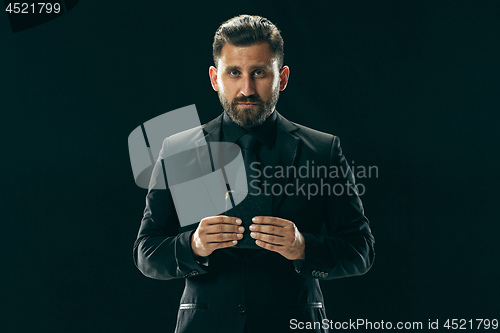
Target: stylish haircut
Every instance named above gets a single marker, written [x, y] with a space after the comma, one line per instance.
[246, 30]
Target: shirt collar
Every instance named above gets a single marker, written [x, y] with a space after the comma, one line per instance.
[265, 132]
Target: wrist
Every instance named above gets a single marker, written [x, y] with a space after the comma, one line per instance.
[302, 251]
[198, 251]
[193, 245]
[302, 254]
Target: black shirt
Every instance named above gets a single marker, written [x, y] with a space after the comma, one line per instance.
[265, 132]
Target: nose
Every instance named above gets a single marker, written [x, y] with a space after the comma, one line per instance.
[248, 86]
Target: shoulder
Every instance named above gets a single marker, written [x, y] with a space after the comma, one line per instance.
[311, 138]
[189, 138]
[318, 141]
[314, 134]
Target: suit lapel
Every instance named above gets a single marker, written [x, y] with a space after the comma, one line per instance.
[289, 148]
[212, 129]
[204, 155]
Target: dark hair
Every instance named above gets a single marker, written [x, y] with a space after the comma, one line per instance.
[246, 30]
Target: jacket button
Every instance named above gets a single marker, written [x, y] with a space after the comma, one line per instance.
[241, 308]
[247, 262]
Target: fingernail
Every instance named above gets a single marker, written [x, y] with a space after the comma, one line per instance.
[252, 234]
[241, 229]
[252, 227]
[234, 242]
[238, 221]
[239, 235]
[255, 219]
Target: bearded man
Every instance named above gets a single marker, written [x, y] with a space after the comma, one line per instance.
[304, 239]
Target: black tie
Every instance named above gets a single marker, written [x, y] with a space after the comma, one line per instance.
[249, 146]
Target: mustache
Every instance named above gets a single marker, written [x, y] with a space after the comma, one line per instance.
[247, 99]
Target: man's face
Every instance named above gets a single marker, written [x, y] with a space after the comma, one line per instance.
[248, 81]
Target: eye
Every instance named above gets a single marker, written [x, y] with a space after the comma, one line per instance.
[234, 73]
[258, 72]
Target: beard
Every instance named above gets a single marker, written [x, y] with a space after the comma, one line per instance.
[249, 117]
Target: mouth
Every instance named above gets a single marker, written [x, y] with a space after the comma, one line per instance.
[247, 105]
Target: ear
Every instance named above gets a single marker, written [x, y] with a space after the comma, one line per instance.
[284, 73]
[213, 77]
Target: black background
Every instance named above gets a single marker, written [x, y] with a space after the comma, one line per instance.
[411, 87]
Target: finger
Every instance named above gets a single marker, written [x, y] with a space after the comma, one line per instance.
[221, 238]
[224, 244]
[271, 220]
[270, 239]
[220, 219]
[270, 247]
[224, 228]
[268, 229]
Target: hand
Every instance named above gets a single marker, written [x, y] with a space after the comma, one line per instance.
[216, 232]
[278, 235]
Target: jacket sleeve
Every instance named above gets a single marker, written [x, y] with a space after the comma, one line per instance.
[160, 251]
[348, 247]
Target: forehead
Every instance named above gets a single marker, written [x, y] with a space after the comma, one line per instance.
[246, 56]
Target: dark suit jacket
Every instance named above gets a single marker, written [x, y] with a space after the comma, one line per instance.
[262, 289]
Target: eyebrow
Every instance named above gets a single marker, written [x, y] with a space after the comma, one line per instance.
[257, 66]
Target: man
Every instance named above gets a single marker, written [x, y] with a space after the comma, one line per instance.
[306, 238]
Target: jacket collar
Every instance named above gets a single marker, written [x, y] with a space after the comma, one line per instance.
[212, 129]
